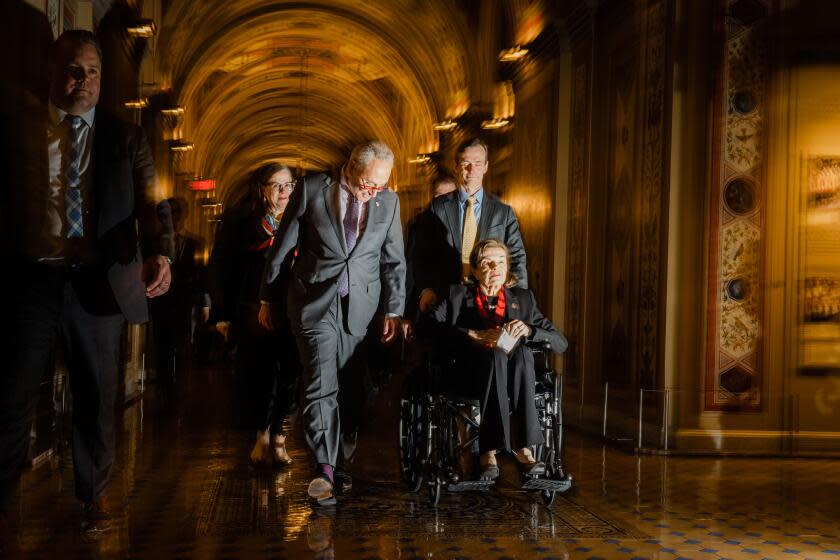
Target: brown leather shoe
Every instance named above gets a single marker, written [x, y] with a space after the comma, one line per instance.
[96, 515]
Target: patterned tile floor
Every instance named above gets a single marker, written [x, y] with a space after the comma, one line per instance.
[182, 489]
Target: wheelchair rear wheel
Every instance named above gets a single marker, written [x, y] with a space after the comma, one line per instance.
[411, 442]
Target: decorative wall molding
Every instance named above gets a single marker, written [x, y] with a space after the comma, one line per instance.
[654, 187]
[578, 205]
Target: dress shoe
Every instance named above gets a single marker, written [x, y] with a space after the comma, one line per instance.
[528, 465]
[321, 491]
[537, 468]
[96, 515]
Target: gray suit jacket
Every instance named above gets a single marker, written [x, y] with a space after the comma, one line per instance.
[376, 266]
[436, 253]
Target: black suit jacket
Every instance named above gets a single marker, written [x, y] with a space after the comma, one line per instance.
[127, 216]
[123, 210]
[436, 252]
[458, 314]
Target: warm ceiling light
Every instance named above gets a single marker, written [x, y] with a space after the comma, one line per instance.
[420, 158]
[139, 103]
[181, 146]
[512, 55]
[201, 184]
[144, 28]
[446, 125]
[175, 111]
[494, 124]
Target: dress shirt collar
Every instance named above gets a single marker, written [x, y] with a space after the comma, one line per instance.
[344, 184]
[463, 196]
[57, 115]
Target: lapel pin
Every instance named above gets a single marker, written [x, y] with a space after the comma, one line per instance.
[514, 306]
[377, 203]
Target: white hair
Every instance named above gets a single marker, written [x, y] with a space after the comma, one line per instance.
[363, 154]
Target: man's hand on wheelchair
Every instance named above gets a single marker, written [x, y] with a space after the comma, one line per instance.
[428, 299]
[266, 316]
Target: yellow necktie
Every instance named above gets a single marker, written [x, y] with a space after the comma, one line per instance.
[468, 235]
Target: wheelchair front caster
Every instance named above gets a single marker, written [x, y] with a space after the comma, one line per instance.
[434, 490]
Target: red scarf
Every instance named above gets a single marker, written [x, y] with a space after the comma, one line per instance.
[481, 304]
[269, 231]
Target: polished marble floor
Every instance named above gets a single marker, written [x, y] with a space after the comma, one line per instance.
[182, 488]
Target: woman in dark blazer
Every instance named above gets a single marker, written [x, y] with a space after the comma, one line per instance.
[473, 317]
[266, 360]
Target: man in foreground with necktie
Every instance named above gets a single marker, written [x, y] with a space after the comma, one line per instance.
[349, 266]
[75, 270]
[458, 221]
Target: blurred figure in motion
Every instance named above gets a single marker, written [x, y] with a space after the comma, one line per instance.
[186, 301]
[443, 185]
[266, 357]
[349, 266]
[75, 266]
[422, 224]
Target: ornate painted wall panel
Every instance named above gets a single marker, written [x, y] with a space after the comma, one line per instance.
[733, 379]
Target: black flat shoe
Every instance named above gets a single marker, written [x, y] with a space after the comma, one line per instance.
[489, 472]
[537, 468]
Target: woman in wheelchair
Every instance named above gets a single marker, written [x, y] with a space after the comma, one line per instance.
[471, 321]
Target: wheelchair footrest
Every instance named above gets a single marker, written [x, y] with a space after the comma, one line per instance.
[548, 484]
[470, 485]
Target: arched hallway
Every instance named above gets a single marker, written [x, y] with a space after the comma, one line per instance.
[672, 166]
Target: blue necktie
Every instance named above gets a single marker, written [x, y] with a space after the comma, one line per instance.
[351, 233]
[73, 194]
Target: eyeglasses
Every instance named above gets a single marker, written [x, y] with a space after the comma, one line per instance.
[464, 164]
[288, 187]
[371, 186]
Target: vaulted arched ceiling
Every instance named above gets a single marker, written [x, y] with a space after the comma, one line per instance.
[303, 81]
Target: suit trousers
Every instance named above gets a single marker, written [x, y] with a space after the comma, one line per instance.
[74, 308]
[331, 358]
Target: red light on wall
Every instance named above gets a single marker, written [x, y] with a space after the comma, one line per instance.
[202, 184]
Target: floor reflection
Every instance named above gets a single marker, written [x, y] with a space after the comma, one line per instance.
[182, 488]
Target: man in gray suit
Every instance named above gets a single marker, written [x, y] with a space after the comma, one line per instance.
[457, 222]
[349, 265]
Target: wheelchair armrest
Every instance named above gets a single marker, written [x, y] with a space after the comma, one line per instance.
[539, 345]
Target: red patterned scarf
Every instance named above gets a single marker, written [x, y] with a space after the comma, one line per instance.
[498, 316]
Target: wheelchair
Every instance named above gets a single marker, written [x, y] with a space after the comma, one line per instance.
[431, 443]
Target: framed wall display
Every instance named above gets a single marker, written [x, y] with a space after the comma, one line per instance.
[819, 270]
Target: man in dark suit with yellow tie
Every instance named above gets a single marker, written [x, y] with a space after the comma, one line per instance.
[456, 223]
[74, 271]
[349, 266]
